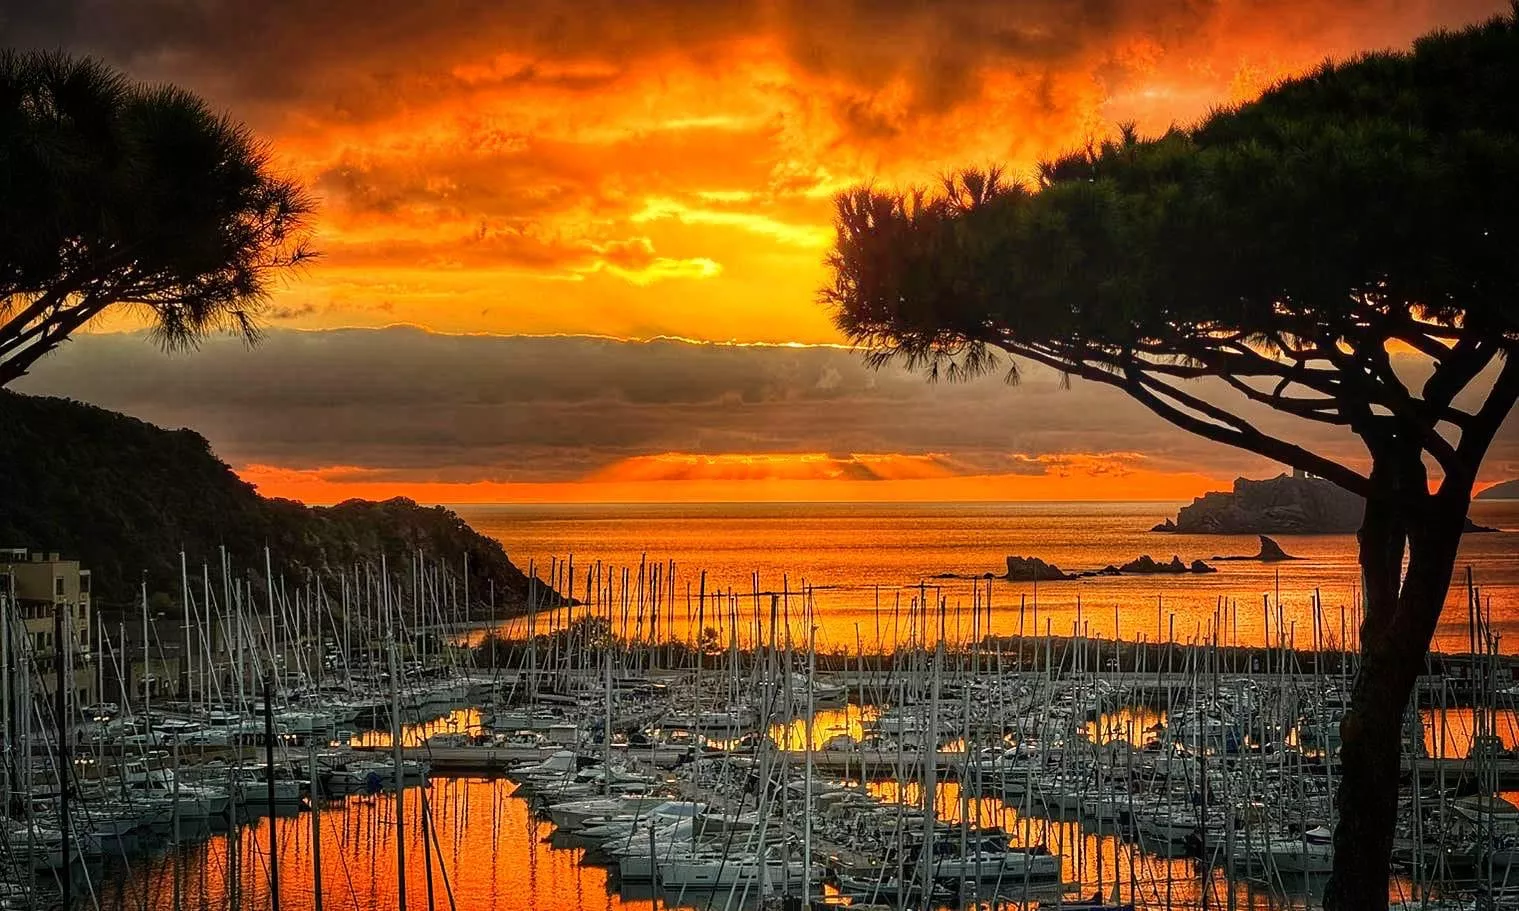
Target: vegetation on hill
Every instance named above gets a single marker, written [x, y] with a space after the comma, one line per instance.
[125, 497]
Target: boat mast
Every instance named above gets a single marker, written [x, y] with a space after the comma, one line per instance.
[147, 696]
[206, 670]
[807, 775]
[184, 586]
[64, 761]
[606, 718]
[7, 674]
[316, 827]
[395, 742]
[931, 764]
[274, 851]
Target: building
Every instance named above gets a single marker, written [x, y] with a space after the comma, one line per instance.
[36, 591]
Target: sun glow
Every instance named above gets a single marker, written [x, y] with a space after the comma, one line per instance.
[760, 477]
[492, 156]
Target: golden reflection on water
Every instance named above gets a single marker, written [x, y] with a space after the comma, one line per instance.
[489, 850]
[826, 723]
[458, 721]
[491, 854]
[1094, 861]
[1135, 725]
[1448, 733]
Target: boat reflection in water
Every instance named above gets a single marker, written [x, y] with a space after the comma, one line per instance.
[492, 853]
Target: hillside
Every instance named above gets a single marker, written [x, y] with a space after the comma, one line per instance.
[1506, 490]
[124, 497]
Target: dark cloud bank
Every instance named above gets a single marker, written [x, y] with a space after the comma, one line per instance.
[426, 406]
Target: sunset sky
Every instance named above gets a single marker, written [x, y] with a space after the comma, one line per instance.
[498, 176]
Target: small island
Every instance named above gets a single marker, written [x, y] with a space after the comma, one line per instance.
[1295, 504]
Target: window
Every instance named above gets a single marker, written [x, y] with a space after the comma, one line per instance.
[57, 585]
[84, 583]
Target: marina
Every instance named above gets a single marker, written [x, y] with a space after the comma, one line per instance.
[373, 733]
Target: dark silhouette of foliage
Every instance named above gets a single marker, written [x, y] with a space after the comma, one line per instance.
[1285, 249]
[115, 194]
[125, 497]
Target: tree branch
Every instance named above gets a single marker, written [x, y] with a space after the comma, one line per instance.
[1235, 431]
[1476, 438]
[45, 337]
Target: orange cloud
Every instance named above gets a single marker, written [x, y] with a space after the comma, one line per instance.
[492, 166]
[1089, 464]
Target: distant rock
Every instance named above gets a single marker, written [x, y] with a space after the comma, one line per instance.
[1505, 490]
[1283, 505]
[1033, 569]
[1270, 552]
[1199, 566]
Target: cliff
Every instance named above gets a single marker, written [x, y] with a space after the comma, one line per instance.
[1283, 505]
[125, 497]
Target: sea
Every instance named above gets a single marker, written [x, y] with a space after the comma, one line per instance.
[866, 571]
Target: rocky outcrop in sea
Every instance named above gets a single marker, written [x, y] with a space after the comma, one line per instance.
[1033, 569]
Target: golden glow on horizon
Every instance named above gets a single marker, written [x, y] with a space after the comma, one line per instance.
[805, 477]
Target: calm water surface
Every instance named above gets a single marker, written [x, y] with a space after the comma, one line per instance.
[866, 563]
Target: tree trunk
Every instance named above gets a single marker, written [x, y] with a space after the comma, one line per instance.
[1399, 624]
